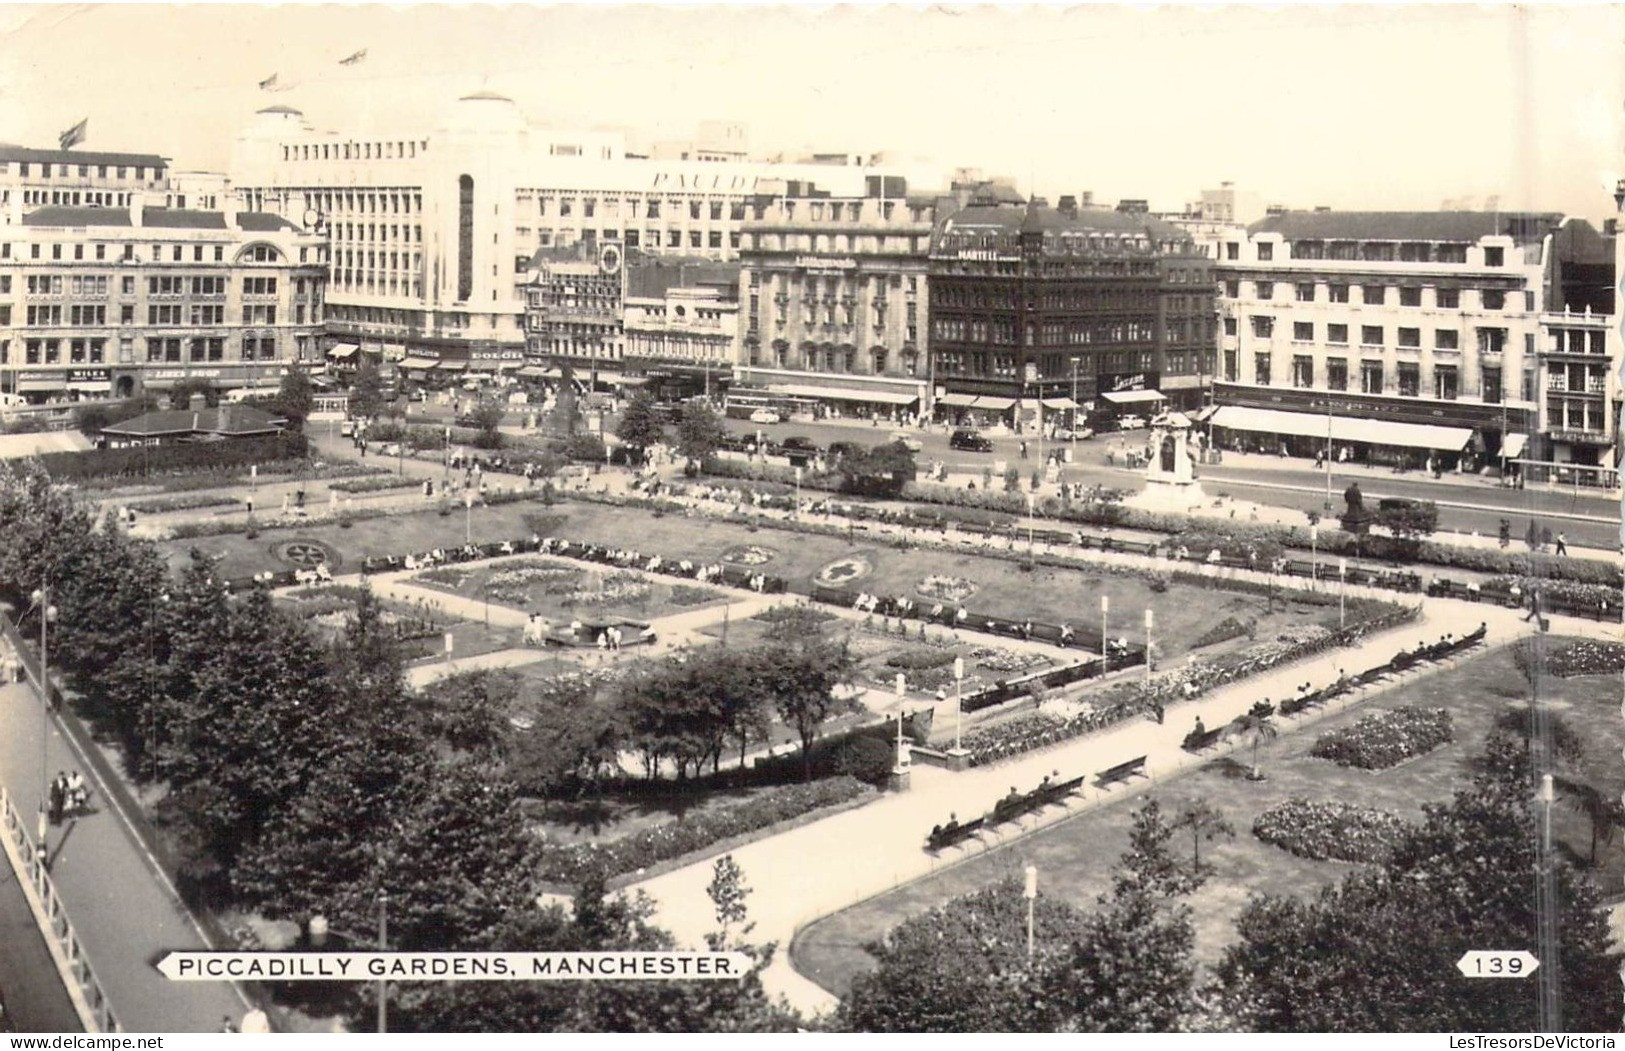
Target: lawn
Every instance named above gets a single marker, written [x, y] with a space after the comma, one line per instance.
[559, 589]
[1074, 859]
[327, 609]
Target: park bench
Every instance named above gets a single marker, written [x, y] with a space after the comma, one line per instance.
[953, 834]
[1121, 772]
[1201, 742]
[1294, 705]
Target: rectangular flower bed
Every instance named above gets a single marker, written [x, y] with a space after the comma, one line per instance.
[1330, 831]
[1384, 739]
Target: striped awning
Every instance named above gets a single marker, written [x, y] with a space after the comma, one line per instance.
[1342, 428]
[418, 363]
[1060, 403]
[883, 397]
[1128, 397]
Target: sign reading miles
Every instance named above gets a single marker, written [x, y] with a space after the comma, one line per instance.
[451, 966]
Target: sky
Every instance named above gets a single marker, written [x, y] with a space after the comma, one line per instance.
[1303, 105]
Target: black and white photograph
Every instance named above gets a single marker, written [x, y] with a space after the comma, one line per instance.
[778, 519]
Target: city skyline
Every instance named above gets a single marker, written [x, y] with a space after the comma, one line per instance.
[1503, 106]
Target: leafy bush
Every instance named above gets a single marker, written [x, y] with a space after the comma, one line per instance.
[869, 759]
[147, 461]
[775, 614]
[1227, 629]
[688, 595]
[695, 831]
[193, 502]
[1382, 739]
[1330, 831]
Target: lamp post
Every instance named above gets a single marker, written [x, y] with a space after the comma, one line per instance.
[1342, 588]
[445, 462]
[959, 708]
[1029, 530]
[1328, 454]
[796, 512]
[1105, 651]
[1149, 619]
[1314, 555]
[1074, 449]
[47, 613]
[902, 753]
[1029, 890]
[468, 516]
[383, 946]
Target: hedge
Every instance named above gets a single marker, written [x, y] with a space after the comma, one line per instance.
[695, 831]
[376, 484]
[148, 461]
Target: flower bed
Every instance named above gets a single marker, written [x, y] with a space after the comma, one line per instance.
[1330, 831]
[1027, 732]
[190, 502]
[688, 595]
[375, 484]
[1563, 592]
[1000, 660]
[695, 832]
[1383, 739]
[844, 571]
[234, 524]
[919, 659]
[775, 614]
[1588, 658]
[946, 588]
[749, 555]
[450, 578]
[1227, 629]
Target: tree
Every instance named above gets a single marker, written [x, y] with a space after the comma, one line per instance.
[699, 433]
[799, 677]
[882, 471]
[727, 892]
[1258, 726]
[639, 426]
[1203, 821]
[1409, 521]
[295, 397]
[180, 395]
[572, 735]
[1378, 951]
[366, 391]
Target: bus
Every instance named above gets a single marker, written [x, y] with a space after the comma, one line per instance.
[741, 403]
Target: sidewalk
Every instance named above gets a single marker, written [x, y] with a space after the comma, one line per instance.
[126, 913]
[809, 872]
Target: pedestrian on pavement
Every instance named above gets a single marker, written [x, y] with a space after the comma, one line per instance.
[58, 797]
[1534, 606]
[1562, 544]
[1023, 448]
[78, 795]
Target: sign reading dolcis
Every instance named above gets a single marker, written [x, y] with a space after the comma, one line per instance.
[452, 966]
[1497, 963]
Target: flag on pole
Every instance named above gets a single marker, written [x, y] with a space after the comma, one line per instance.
[74, 135]
[353, 59]
[269, 83]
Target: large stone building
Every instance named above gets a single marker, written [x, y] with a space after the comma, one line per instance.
[99, 302]
[431, 229]
[836, 306]
[31, 179]
[1406, 334]
[573, 296]
[1579, 355]
[681, 324]
[1030, 304]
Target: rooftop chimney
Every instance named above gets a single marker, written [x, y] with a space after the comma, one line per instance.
[1323, 208]
[1068, 206]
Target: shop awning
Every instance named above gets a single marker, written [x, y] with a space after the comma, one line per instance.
[41, 385]
[343, 350]
[632, 381]
[1514, 445]
[1130, 397]
[1060, 403]
[418, 363]
[882, 397]
[536, 372]
[1343, 428]
[1205, 413]
[957, 401]
[992, 403]
[453, 366]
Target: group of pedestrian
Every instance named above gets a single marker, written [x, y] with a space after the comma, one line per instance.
[69, 796]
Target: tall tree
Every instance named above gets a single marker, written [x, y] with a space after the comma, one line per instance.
[366, 391]
[639, 426]
[699, 433]
[296, 396]
[800, 678]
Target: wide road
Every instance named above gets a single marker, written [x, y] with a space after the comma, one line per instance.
[1467, 503]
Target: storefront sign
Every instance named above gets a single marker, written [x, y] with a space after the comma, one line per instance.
[704, 180]
[818, 262]
[1119, 382]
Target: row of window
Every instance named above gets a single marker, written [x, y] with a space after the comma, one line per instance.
[167, 285]
[201, 253]
[1371, 251]
[360, 151]
[1373, 378]
[1008, 297]
[1490, 340]
[159, 349]
[26, 169]
[171, 315]
[1377, 295]
[408, 234]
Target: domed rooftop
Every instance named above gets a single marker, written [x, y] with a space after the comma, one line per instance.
[288, 110]
[485, 96]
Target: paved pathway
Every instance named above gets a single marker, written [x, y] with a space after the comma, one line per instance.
[812, 871]
[32, 995]
[125, 911]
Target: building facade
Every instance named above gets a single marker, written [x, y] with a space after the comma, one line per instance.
[1031, 305]
[1579, 354]
[835, 299]
[1374, 324]
[431, 229]
[573, 296]
[102, 302]
[31, 179]
[681, 325]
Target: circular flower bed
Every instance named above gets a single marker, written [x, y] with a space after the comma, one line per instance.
[844, 571]
[946, 588]
[1384, 739]
[1329, 831]
[749, 555]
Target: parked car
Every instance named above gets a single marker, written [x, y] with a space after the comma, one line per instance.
[908, 441]
[1063, 434]
[969, 441]
[1131, 423]
[766, 416]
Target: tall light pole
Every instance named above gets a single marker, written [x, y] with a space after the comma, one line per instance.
[1074, 450]
[445, 461]
[1342, 589]
[1149, 619]
[1314, 555]
[1029, 530]
[1105, 648]
[1029, 890]
[902, 756]
[383, 946]
[468, 516]
[1328, 454]
[47, 613]
[796, 513]
[959, 707]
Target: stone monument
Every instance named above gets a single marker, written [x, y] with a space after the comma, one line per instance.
[1170, 473]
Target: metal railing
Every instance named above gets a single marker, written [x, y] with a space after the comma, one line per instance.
[86, 993]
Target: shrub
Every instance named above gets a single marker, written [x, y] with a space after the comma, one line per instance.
[688, 595]
[147, 461]
[375, 484]
[920, 659]
[1327, 831]
[1227, 629]
[869, 759]
[1383, 739]
[695, 831]
[775, 614]
[193, 502]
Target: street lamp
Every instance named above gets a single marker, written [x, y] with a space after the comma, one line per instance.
[1314, 555]
[1029, 530]
[1074, 450]
[959, 708]
[445, 461]
[1105, 657]
[41, 597]
[1328, 454]
[383, 946]
[1148, 622]
[796, 513]
[1029, 890]
[1342, 587]
[902, 755]
[468, 516]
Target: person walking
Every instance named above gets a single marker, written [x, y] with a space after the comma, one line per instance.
[1534, 606]
[1562, 544]
[78, 795]
[58, 797]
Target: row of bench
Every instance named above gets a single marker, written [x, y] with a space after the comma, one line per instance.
[1501, 594]
[1017, 805]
